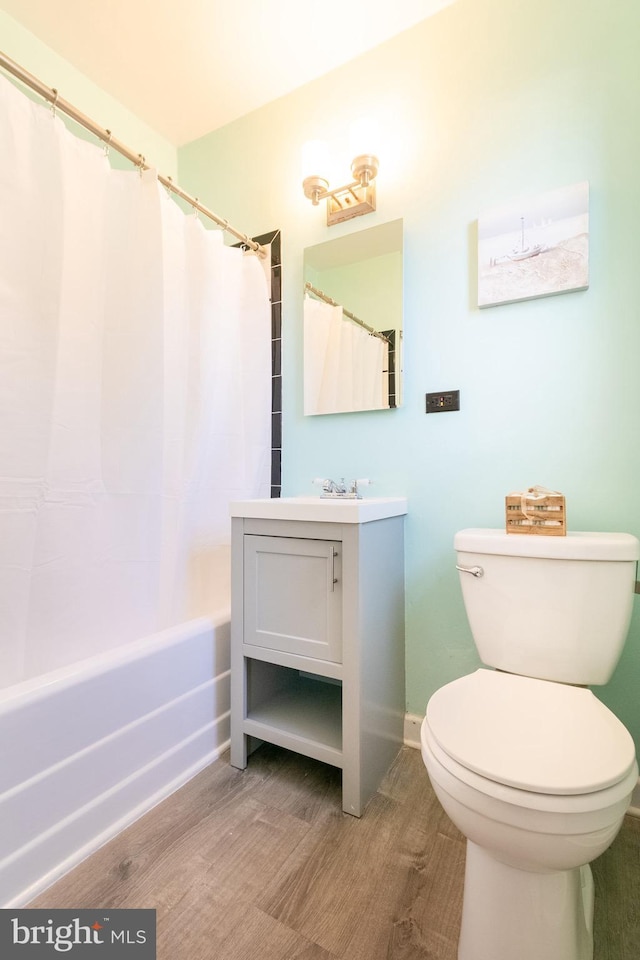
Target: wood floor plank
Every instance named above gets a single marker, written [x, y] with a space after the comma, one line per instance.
[341, 877]
[361, 880]
[297, 785]
[262, 864]
[429, 915]
[278, 942]
[210, 924]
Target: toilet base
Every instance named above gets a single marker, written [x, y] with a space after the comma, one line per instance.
[509, 913]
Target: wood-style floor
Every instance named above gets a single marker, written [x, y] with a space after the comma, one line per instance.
[263, 865]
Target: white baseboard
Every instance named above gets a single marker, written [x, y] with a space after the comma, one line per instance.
[412, 730]
[412, 739]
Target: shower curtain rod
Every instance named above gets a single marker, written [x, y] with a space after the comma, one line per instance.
[323, 296]
[51, 94]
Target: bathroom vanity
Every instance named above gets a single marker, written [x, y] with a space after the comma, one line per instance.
[317, 633]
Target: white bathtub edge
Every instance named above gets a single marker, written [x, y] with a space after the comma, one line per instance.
[117, 735]
[149, 728]
[112, 659]
[99, 840]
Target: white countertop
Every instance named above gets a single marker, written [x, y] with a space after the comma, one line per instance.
[318, 509]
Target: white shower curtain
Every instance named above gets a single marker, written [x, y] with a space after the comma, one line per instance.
[345, 368]
[134, 398]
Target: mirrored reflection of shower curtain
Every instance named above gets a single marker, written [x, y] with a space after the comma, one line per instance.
[344, 366]
[134, 398]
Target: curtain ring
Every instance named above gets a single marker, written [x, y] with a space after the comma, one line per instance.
[54, 101]
[140, 164]
[107, 142]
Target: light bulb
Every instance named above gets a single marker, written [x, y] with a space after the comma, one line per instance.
[364, 138]
[315, 159]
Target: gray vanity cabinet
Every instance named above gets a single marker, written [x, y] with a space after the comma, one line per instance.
[317, 640]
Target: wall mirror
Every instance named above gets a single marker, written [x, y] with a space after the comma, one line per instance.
[353, 322]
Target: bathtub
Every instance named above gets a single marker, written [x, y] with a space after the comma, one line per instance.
[87, 749]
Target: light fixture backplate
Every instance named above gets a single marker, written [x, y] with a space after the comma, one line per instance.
[353, 202]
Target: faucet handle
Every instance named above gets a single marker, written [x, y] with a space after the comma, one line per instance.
[321, 482]
[356, 486]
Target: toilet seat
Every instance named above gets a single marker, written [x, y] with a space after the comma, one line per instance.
[513, 798]
[535, 735]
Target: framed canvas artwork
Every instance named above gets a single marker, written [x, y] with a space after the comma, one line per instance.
[534, 247]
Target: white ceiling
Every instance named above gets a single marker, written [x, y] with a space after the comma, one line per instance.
[186, 67]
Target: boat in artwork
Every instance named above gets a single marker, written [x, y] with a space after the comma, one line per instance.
[524, 253]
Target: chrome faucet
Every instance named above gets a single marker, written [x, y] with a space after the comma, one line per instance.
[332, 489]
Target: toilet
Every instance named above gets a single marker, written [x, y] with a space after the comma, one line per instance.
[529, 765]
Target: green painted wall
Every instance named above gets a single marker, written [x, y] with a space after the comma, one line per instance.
[53, 70]
[483, 103]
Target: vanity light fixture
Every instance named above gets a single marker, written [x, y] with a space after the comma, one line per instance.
[353, 199]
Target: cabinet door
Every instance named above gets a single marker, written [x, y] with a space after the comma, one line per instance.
[293, 596]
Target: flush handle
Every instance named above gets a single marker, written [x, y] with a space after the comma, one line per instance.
[474, 571]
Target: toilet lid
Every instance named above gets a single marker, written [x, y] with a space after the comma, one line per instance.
[533, 734]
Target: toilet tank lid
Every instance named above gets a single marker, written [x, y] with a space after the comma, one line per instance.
[576, 545]
[536, 735]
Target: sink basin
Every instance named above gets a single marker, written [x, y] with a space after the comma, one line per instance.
[315, 508]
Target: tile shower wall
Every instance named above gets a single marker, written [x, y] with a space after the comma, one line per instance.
[272, 241]
[391, 366]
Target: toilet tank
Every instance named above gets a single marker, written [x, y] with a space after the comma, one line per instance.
[556, 608]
